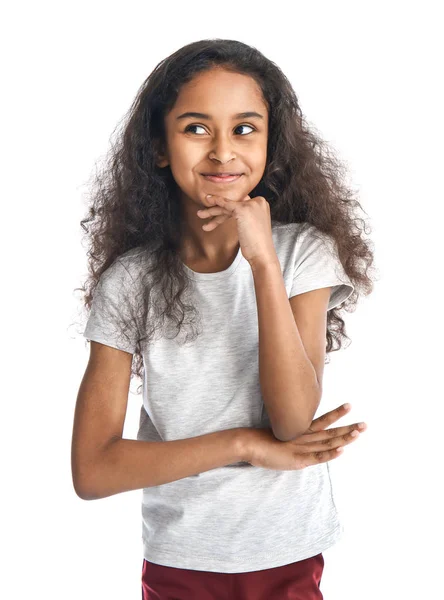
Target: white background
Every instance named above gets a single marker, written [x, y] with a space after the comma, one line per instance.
[368, 76]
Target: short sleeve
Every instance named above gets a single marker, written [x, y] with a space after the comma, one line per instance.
[317, 265]
[111, 320]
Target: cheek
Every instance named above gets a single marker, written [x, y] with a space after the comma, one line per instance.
[183, 158]
[183, 164]
[259, 162]
[258, 155]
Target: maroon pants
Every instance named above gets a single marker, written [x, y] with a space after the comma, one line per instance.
[296, 581]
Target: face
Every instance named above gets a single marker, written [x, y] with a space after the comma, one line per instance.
[227, 134]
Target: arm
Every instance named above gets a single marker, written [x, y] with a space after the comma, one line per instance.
[125, 465]
[290, 384]
[103, 463]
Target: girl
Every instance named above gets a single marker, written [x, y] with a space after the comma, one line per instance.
[220, 204]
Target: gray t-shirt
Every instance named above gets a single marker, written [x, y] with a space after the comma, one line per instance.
[235, 518]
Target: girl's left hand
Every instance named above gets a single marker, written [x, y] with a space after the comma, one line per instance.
[253, 225]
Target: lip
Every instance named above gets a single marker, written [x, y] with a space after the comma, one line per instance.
[221, 177]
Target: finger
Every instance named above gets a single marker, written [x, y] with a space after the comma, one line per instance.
[215, 222]
[213, 211]
[221, 201]
[333, 432]
[330, 442]
[330, 417]
[213, 199]
[316, 458]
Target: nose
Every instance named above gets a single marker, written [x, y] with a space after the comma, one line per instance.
[222, 150]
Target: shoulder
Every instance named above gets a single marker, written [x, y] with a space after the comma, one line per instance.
[298, 237]
[129, 266]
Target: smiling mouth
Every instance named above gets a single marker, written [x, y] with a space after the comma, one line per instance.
[221, 177]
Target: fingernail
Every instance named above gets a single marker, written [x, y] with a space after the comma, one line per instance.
[209, 196]
[347, 406]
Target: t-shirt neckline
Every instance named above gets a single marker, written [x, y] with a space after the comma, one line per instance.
[219, 274]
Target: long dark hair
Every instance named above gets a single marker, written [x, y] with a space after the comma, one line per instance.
[135, 209]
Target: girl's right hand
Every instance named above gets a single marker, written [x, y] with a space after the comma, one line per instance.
[317, 445]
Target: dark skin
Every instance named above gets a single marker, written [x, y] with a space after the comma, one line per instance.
[317, 445]
[224, 142]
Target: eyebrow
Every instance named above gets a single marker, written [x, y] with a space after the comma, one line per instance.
[197, 115]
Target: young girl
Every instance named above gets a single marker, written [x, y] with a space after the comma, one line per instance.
[219, 202]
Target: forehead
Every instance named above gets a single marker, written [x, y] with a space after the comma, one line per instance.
[222, 91]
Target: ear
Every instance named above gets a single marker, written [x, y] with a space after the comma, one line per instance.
[162, 162]
[162, 156]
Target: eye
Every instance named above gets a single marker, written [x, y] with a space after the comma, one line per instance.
[188, 128]
[252, 128]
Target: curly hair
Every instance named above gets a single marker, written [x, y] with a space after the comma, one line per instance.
[135, 205]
